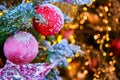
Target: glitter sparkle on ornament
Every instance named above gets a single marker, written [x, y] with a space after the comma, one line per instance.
[22, 37]
[54, 19]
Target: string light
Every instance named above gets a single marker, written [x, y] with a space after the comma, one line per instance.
[107, 39]
[99, 72]
[117, 20]
[109, 4]
[93, 0]
[107, 35]
[104, 36]
[112, 68]
[114, 61]
[69, 60]
[98, 41]
[102, 41]
[103, 70]
[85, 17]
[59, 38]
[44, 49]
[109, 14]
[82, 21]
[81, 27]
[27, 1]
[49, 42]
[85, 72]
[101, 14]
[94, 78]
[93, 6]
[86, 63]
[105, 21]
[55, 42]
[88, 51]
[95, 37]
[111, 54]
[100, 29]
[42, 37]
[109, 28]
[104, 54]
[77, 55]
[72, 39]
[110, 62]
[96, 75]
[1, 13]
[69, 67]
[85, 8]
[106, 45]
[73, 26]
[106, 8]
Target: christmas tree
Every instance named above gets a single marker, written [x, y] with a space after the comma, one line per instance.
[30, 49]
[68, 39]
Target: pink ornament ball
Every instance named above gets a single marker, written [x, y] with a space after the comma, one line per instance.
[21, 48]
[53, 17]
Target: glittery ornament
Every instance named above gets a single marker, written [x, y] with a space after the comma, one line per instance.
[54, 19]
[36, 71]
[67, 1]
[115, 46]
[21, 48]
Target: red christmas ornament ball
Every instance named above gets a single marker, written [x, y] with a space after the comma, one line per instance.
[21, 48]
[53, 16]
[66, 33]
[115, 46]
